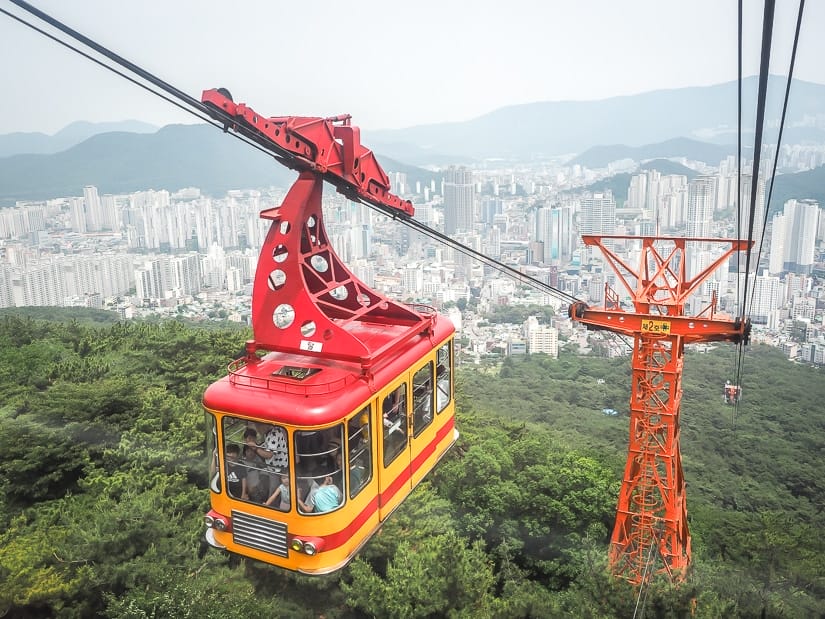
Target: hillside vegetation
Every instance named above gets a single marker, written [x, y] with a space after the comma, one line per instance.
[103, 489]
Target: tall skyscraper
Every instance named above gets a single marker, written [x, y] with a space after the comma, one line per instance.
[490, 207]
[459, 200]
[776, 258]
[637, 192]
[93, 209]
[793, 237]
[186, 273]
[701, 203]
[758, 217]
[767, 297]
[598, 214]
[802, 220]
[554, 228]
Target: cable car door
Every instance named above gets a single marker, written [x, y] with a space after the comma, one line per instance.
[394, 453]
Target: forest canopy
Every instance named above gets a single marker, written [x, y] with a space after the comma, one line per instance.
[103, 488]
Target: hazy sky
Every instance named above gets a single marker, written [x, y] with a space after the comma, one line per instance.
[389, 64]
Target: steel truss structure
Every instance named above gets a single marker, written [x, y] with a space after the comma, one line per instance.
[651, 531]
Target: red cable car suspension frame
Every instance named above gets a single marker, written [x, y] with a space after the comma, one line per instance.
[305, 300]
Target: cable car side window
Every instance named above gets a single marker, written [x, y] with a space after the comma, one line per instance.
[444, 390]
[256, 456]
[319, 461]
[359, 453]
[394, 411]
[422, 398]
[212, 450]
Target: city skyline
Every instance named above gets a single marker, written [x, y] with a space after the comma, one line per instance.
[400, 72]
[187, 221]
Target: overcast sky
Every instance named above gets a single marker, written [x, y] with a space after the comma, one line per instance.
[389, 64]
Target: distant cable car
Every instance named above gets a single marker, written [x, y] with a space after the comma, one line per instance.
[732, 393]
[344, 400]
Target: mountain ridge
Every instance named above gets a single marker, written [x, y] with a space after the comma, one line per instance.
[175, 157]
[553, 128]
[178, 156]
[37, 143]
[695, 150]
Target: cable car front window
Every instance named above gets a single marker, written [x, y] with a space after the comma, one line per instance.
[256, 457]
[319, 463]
[212, 450]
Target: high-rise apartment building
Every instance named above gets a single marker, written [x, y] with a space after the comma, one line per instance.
[38, 284]
[767, 297]
[637, 192]
[490, 207]
[776, 256]
[413, 281]
[154, 279]
[598, 214]
[661, 198]
[93, 210]
[701, 203]
[802, 220]
[492, 244]
[540, 338]
[186, 273]
[554, 229]
[758, 217]
[793, 237]
[459, 200]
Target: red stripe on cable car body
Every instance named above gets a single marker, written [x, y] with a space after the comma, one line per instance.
[337, 539]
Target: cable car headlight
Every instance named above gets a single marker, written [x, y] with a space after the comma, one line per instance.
[217, 521]
[309, 547]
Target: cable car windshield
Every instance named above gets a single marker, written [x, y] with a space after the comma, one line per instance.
[256, 457]
[319, 469]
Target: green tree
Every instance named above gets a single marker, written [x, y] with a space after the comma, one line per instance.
[439, 576]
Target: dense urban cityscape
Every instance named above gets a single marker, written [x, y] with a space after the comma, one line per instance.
[186, 254]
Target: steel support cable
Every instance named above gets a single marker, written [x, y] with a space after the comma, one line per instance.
[491, 262]
[201, 111]
[740, 300]
[194, 104]
[645, 584]
[781, 128]
[739, 144]
[501, 267]
[788, 84]
[764, 69]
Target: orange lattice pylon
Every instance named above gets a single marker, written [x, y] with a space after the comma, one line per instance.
[651, 531]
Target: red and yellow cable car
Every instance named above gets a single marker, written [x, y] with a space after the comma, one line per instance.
[344, 400]
[285, 429]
